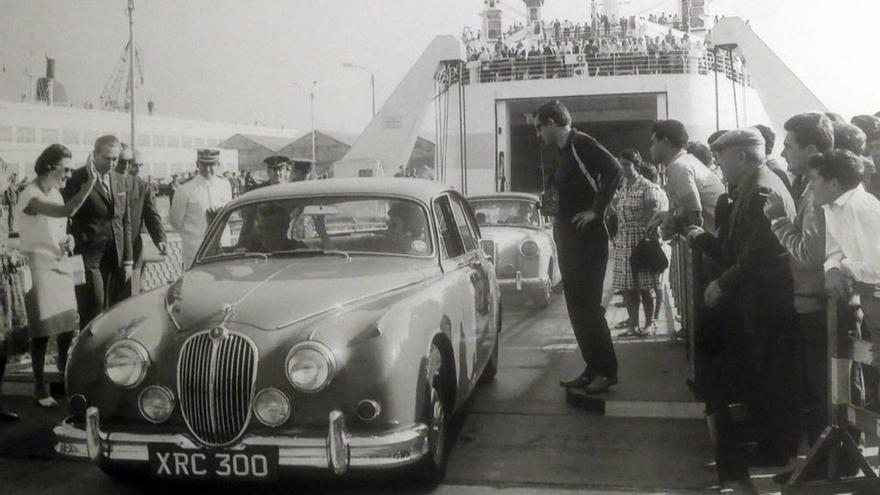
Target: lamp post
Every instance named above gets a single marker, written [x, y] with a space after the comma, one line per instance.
[131, 71]
[312, 115]
[372, 81]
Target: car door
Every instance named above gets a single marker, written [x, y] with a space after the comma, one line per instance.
[457, 269]
[479, 270]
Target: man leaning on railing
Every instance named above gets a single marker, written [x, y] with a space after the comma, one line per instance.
[852, 262]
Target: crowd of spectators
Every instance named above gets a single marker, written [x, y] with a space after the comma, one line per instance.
[778, 235]
[620, 47]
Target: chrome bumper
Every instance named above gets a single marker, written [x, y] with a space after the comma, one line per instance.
[338, 450]
[519, 283]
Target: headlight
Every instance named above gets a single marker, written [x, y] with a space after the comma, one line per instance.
[310, 366]
[156, 404]
[125, 363]
[529, 249]
[272, 407]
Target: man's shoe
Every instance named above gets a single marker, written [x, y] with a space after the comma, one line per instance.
[741, 487]
[7, 416]
[581, 381]
[600, 384]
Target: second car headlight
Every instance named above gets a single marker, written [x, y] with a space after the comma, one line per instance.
[126, 363]
[529, 249]
[310, 366]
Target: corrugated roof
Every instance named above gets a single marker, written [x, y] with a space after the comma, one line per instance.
[273, 143]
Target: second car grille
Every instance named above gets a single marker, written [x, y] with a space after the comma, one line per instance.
[215, 381]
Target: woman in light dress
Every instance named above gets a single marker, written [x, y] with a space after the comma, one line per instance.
[42, 224]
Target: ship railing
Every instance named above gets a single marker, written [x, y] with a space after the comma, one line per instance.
[615, 64]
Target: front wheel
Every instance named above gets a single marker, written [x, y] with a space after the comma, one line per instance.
[435, 415]
[542, 296]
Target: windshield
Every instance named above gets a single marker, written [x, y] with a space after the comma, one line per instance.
[520, 213]
[313, 226]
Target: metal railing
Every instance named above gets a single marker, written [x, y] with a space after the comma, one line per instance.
[831, 458]
[848, 353]
[616, 64]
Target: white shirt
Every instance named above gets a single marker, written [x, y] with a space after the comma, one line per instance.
[852, 223]
[191, 202]
[691, 186]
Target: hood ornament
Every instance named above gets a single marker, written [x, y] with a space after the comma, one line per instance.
[219, 333]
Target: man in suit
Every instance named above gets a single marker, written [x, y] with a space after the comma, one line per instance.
[101, 229]
[756, 366]
[143, 213]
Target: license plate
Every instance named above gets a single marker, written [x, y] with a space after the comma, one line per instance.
[252, 463]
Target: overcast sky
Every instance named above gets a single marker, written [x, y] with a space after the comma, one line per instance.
[235, 60]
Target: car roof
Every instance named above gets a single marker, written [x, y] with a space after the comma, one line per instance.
[420, 189]
[505, 195]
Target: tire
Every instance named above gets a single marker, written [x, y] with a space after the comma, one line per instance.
[435, 414]
[542, 296]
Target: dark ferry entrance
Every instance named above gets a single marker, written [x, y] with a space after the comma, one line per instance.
[616, 121]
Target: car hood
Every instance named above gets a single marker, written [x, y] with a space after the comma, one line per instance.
[277, 293]
[505, 236]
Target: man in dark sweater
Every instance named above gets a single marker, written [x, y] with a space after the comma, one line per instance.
[586, 180]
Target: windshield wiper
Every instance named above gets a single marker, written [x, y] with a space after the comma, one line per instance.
[234, 255]
[312, 252]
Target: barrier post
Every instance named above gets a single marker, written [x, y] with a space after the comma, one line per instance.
[844, 348]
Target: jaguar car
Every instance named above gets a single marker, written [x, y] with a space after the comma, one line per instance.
[524, 250]
[331, 326]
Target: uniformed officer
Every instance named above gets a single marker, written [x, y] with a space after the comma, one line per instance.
[302, 169]
[197, 202]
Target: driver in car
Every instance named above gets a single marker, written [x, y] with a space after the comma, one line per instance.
[269, 231]
[407, 232]
[523, 216]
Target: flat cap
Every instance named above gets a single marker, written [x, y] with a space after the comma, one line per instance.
[277, 161]
[747, 136]
[208, 155]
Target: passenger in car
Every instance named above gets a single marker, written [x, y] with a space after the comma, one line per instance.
[269, 230]
[407, 233]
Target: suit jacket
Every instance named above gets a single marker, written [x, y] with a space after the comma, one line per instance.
[102, 219]
[755, 266]
[143, 212]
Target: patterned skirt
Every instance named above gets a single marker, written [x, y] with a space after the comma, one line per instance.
[625, 278]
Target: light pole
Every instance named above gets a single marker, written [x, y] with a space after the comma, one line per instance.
[312, 114]
[372, 81]
[131, 70]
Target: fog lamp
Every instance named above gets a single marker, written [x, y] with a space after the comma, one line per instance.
[272, 407]
[156, 404]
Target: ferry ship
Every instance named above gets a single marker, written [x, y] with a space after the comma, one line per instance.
[723, 77]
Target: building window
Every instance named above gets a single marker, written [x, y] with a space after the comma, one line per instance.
[49, 136]
[143, 140]
[71, 136]
[200, 142]
[186, 141]
[159, 141]
[26, 135]
[173, 141]
[212, 143]
[5, 134]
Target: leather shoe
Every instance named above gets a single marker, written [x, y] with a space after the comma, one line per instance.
[600, 384]
[8, 416]
[581, 381]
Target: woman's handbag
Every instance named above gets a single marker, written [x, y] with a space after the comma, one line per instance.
[648, 256]
[74, 266]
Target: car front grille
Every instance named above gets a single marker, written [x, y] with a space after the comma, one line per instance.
[216, 372]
